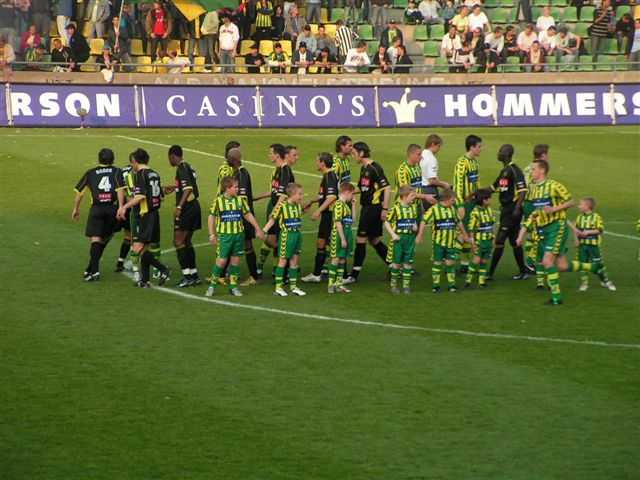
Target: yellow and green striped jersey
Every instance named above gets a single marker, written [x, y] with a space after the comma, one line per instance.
[225, 170]
[465, 179]
[228, 213]
[532, 227]
[443, 221]
[590, 221]
[481, 224]
[548, 193]
[288, 215]
[403, 217]
[342, 168]
[128, 175]
[408, 175]
[527, 174]
[342, 214]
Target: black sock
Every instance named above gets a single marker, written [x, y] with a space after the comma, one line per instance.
[381, 250]
[321, 256]
[497, 254]
[191, 256]
[95, 252]
[358, 260]
[125, 246]
[153, 261]
[183, 257]
[145, 265]
[250, 256]
[519, 254]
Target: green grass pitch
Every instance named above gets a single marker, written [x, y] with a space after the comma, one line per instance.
[102, 381]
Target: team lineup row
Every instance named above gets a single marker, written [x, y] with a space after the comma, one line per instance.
[463, 226]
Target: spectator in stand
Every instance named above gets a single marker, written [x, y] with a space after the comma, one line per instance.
[430, 16]
[624, 32]
[381, 63]
[379, 14]
[7, 55]
[634, 51]
[487, 60]
[35, 56]
[278, 60]
[41, 16]
[254, 59]
[63, 10]
[535, 59]
[107, 63]
[294, 25]
[309, 40]
[352, 10]
[98, 13]
[451, 42]
[567, 46]
[313, 11]
[496, 40]
[525, 40]
[389, 33]
[357, 59]
[548, 41]
[461, 21]
[403, 61]
[523, 10]
[600, 30]
[78, 46]
[195, 39]
[545, 20]
[325, 60]
[302, 58]
[29, 40]
[245, 14]
[209, 30]
[478, 19]
[119, 35]
[278, 23]
[462, 59]
[264, 11]
[412, 14]
[325, 41]
[511, 48]
[175, 63]
[477, 40]
[344, 40]
[393, 50]
[158, 25]
[448, 12]
[228, 36]
[62, 54]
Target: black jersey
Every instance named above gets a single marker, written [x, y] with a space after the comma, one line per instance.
[281, 177]
[328, 187]
[147, 185]
[102, 181]
[371, 184]
[244, 186]
[510, 183]
[186, 180]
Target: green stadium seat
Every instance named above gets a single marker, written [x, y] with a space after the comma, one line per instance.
[441, 65]
[511, 66]
[366, 32]
[570, 15]
[611, 47]
[586, 62]
[499, 15]
[564, 67]
[582, 29]
[512, 16]
[437, 32]
[606, 64]
[507, 3]
[559, 3]
[586, 14]
[420, 33]
[372, 48]
[587, 44]
[556, 13]
[550, 60]
[621, 64]
[400, 3]
[542, 3]
[337, 14]
[535, 13]
[431, 49]
[492, 3]
[622, 9]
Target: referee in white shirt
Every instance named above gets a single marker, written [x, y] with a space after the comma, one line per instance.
[429, 167]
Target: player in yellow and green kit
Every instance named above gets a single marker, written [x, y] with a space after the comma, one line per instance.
[445, 223]
[341, 243]
[127, 226]
[225, 218]
[481, 222]
[588, 231]
[540, 152]
[288, 214]
[342, 159]
[533, 232]
[402, 224]
[551, 200]
[465, 183]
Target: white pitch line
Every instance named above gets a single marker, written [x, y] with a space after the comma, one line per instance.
[200, 152]
[630, 237]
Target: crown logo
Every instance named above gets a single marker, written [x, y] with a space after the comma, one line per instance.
[405, 110]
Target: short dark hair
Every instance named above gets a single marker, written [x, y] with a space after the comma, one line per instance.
[413, 147]
[361, 44]
[175, 150]
[141, 156]
[543, 164]
[482, 194]
[341, 141]
[105, 156]
[326, 159]
[471, 141]
[229, 146]
[363, 148]
[288, 148]
[432, 140]
[589, 201]
[540, 149]
[277, 148]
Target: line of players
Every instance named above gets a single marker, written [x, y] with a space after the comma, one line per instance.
[459, 215]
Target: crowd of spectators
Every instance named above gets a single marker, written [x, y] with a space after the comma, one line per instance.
[301, 44]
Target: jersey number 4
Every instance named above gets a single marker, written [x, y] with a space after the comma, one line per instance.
[105, 184]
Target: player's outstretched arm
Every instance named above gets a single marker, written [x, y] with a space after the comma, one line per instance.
[268, 225]
[523, 232]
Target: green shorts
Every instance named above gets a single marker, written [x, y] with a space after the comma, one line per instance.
[336, 250]
[403, 249]
[527, 209]
[468, 208]
[484, 249]
[444, 253]
[289, 243]
[589, 253]
[555, 238]
[230, 245]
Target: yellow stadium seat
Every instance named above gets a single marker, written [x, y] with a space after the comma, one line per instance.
[286, 47]
[266, 47]
[198, 61]
[240, 65]
[324, 16]
[136, 47]
[96, 45]
[85, 29]
[89, 65]
[146, 61]
[245, 46]
[314, 29]
[330, 29]
[174, 45]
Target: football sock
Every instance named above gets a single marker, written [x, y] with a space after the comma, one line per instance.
[394, 276]
[191, 259]
[358, 260]
[154, 248]
[321, 256]
[151, 260]
[594, 269]
[215, 274]
[482, 273]
[95, 251]
[497, 255]
[406, 277]
[584, 278]
[518, 253]
[125, 246]
[183, 258]
[250, 256]
[435, 274]
[144, 264]
[265, 250]
[293, 277]
[451, 275]
[339, 274]
[580, 267]
[539, 275]
[554, 283]
[233, 276]
[279, 274]
[464, 255]
[473, 267]
[381, 250]
[332, 273]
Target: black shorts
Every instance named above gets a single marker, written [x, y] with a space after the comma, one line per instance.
[507, 221]
[124, 224]
[101, 221]
[147, 228]
[249, 231]
[190, 218]
[324, 229]
[428, 190]
[370, 225]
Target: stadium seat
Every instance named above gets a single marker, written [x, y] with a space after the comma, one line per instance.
[611, 47]
[400, 3]
[266, 47]
[550, 60]
[441, 65]
[570, 14]
[585, 64]
[286, 47]
[556, 14]
[372, 48]
[136, 47]
[512, 16]
[437, 32]
[85, 29]
[324, 15]
[507, 3]
[96, 44]
[330, 29]
[174, 45]
[587, 44]
[366, 32]
[245, 46]
[431, 49]
[605, 64]
[535, 13]
[146, 65]
[499, 15]
[622, 9]
[197, 64]
[542, 3]
[581, 29]
[559, 3]
[492, 3]
[511, 66]
[89, 65]
[337, 14]
[621, 64]
[420, 33]
[586, 14]
[240, 65]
